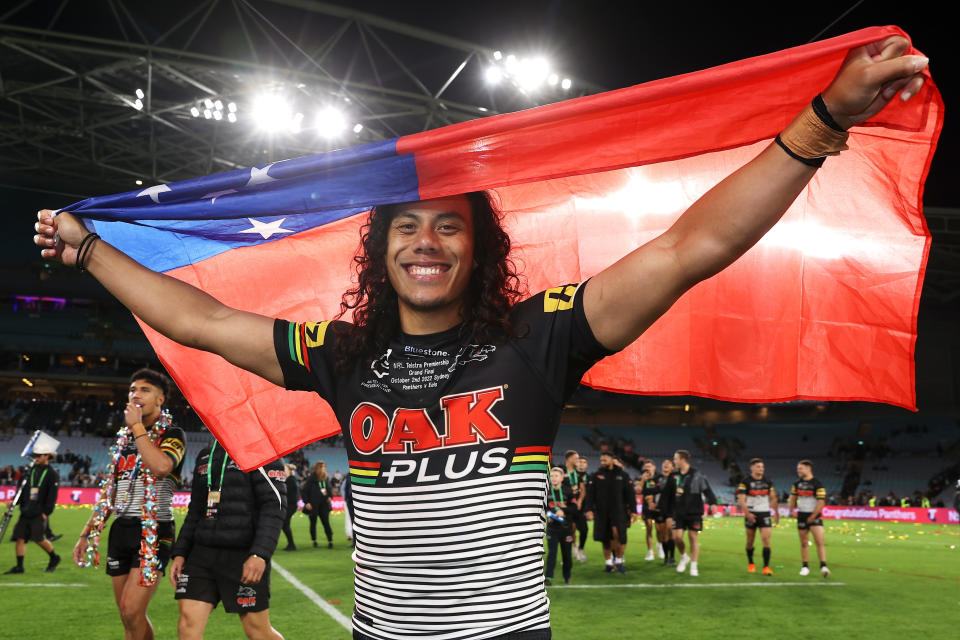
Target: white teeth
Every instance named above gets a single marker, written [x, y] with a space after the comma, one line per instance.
[424, 271]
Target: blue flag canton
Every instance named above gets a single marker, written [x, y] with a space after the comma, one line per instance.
[168, 226]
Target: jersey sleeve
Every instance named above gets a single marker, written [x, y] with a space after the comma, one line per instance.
[172, 444]
[306, 354]
[741, 489]
[819, 490]
[554, 336]
[793, 489]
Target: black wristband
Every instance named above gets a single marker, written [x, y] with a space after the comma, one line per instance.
[83, 251]
[820, 108]
[810, 162]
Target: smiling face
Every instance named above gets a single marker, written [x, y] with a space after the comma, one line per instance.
[429, 262]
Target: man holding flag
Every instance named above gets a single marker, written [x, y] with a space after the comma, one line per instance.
[449, 391]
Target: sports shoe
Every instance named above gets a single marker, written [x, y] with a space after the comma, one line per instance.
[566, 581]
[669, 562]
[314, 544]
[55, 537]
[805, 571]
[660, 553]
[608, 568]
[13, 570]
[751, 568]
[824, 571]
[583, 556]
[330, 544]
[649, 557]
[620, 567]
[291, 547]
[767, 571]
[54, 562]
[694, 571]
[682, 565]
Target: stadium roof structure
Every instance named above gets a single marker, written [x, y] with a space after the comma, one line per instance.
[99, 94]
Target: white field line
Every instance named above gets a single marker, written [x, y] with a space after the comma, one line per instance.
[701, 585]
[312, 595]
[42, 584]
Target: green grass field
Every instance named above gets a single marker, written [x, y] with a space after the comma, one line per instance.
[889, 581]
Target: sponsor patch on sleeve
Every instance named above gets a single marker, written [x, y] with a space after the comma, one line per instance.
[174, 448]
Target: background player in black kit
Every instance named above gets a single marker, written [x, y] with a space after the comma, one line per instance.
[225, 544]
[808, 496]
[612, 505]
[38, 498]
[577, 483]
[666, 500]
[758, 500]
[559, 525]
[583, 465]
[690, 486]
[437, 273]
[651, 489]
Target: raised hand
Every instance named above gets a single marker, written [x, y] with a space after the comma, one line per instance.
[869, 79]
[59, 237]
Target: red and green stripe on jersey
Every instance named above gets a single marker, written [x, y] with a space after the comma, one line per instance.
[362, 472]
[531, 459]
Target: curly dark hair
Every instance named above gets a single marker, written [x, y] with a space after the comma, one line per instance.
[493, 288]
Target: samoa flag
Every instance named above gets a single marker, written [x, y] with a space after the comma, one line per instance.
[824, 307]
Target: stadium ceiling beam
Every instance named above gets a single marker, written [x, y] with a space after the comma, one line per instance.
[177, 57]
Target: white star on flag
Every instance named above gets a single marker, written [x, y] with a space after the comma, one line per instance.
[154, 192]
[260, 176]
[266, 229]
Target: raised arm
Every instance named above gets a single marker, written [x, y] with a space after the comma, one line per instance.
[730, 218]
[176, 309]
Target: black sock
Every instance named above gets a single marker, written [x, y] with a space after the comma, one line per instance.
[750, 555]
[668, 549]
[20, 562]
[52, 554]
[823, 564]
[766, 556]
[806, 564]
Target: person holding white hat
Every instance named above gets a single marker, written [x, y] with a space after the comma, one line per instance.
[37, 499]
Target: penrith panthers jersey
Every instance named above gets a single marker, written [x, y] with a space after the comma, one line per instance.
[449, 448]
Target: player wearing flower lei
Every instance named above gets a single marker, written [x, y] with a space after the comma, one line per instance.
[143, 471]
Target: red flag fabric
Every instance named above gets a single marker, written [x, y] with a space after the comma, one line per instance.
[824, 307]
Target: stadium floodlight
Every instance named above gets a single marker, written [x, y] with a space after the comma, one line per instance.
[138, 104]
[330, 122]
[217, 115]
[553, 79]
[531, 73]
[497, 55]
[208, 103]
[140, 93]
[232, 116]
[510, 62]
[296, 123]
[207, 114]
[218, 105]
[565, 84]
[232, 107]
[493, 75]
[195, 112]
[272, 112]
[139, 182]
[357, 128]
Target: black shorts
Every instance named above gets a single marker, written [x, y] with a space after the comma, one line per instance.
[650, 514]
[802, 522]
[123, 547]
[219, 581]
[693, 523]
[31, 528]
[763, 521]
[603, 529]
